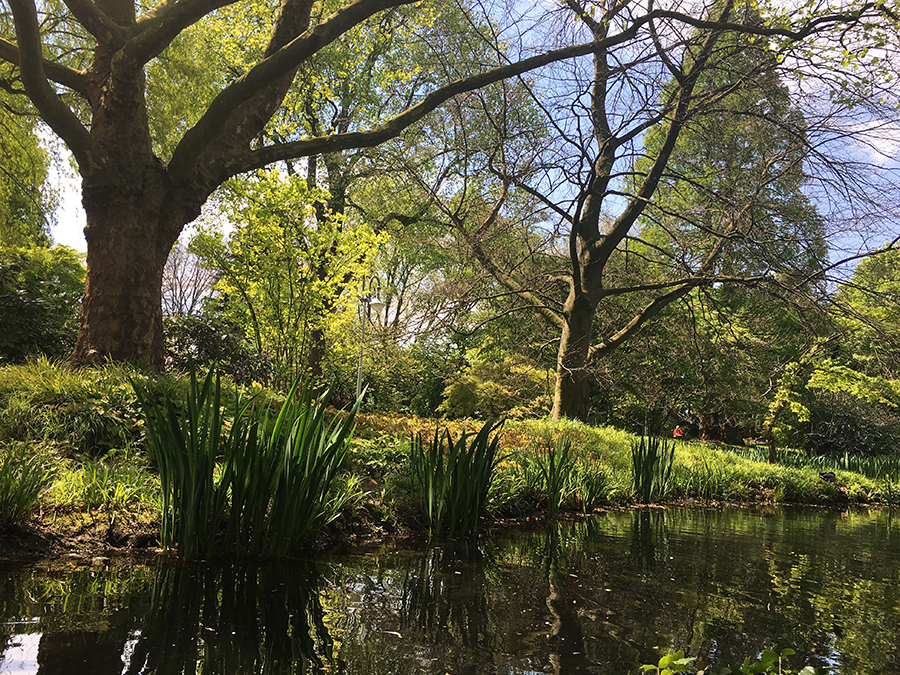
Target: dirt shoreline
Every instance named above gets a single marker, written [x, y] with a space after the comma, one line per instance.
[101, 534]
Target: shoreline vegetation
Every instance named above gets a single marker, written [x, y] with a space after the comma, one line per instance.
[78, 475]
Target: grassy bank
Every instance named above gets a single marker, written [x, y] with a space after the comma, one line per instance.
[76, 465]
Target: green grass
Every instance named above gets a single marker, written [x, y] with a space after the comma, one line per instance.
[117, 482]
[85, 435]
[23, 476]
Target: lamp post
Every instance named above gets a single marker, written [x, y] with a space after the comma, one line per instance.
[369, 299]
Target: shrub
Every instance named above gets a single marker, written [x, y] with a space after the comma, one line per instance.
[40, 296]
[211, 341]
[488, 388]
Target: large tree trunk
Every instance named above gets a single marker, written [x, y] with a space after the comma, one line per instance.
[129, 235]
[571, 397]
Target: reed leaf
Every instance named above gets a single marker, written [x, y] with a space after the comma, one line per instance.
[251, 486]
[556, 472]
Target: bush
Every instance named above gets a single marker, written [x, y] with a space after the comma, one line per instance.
[841, 424]
[89, 411]
[40, 297]
[488, 388]
[652, 458]
[211, 341]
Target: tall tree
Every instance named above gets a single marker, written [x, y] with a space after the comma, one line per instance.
[689, 130]
[83, 64]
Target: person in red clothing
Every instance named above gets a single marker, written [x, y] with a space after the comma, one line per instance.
[677, 433]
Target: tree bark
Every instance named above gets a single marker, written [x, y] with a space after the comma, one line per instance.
[121, 311]
[571, 396]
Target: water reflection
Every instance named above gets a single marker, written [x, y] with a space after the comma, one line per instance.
[233, 618]
[599, 596]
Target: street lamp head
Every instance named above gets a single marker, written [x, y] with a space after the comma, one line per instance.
[376, 305]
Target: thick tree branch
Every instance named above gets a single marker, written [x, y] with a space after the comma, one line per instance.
[264, 74]
[67, 77]
[97, 23]
[642, 317]
[156, 29]
[55, 113]
[394, 126]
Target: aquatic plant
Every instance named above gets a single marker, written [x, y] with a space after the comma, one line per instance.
[769, 663]
[556, 468]
[453, 479]
[591, 483]
[652, 458]
[273, 488]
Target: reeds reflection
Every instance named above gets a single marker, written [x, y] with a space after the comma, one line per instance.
[233, 618]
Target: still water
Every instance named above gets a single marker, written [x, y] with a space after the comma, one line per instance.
[598, 596]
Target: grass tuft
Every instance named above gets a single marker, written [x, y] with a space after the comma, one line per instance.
[22, 478]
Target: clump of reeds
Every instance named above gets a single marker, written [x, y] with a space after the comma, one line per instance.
[250, 485]
[453, 478]
[555, 466]
[652, 458]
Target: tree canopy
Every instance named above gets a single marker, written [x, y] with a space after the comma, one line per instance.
[161, 104]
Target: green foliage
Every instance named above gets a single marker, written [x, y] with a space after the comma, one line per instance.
[275, 487]
[22, 479]
[283, 268]
[210, 340]
[401, 378]
[652, 458]
[769, 663]
[27, 200]
[74, 412]
[591, 483]
[829, 408]
[453, 479]
[491, 386]
[40, 294]
[670, 664]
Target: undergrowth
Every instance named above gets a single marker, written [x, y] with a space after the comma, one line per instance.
[80, 442]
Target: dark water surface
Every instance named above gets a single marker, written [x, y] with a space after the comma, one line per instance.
[599, 596]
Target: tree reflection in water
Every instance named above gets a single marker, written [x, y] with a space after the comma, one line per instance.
[602, 595]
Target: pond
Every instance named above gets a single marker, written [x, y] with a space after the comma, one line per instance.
[602, 595]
